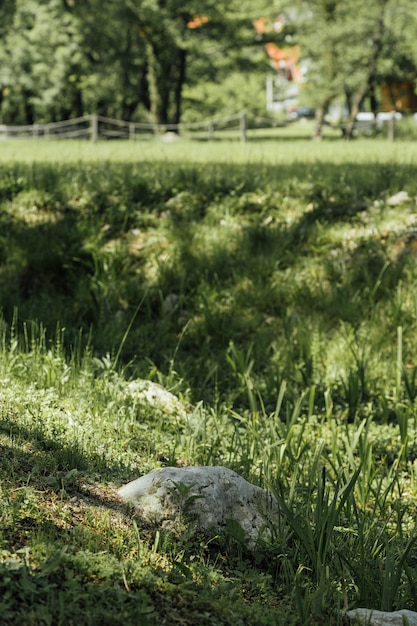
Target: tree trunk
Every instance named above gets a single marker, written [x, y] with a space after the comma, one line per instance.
[159, 83]
[373, 102]
[153, 83]
[166, 78]
[377, 45]
[143, 88]
[77, 108]
[180, 80]
[319, 122]
[318, 127]
[28, 108]
[348, 96]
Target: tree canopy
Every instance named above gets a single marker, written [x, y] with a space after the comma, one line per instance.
[134, 59]
[351, 47]
[127, 58]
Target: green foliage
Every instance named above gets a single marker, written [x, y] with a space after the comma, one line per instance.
[85, 581]
[243, 91]
[278, 296]
[123, 59]
[350, 50]
[260, 268]
[32, 87]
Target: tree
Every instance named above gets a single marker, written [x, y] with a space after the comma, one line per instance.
[7, 8]
[61, 58]
[179, 34]
[371, 48]
[39, 55]
[322, 27]
[113, 72]
[227, 65]
[384, 43]
[350, 46]
[125, 58]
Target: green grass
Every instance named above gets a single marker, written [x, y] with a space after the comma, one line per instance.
[288, 145]
[269, 286]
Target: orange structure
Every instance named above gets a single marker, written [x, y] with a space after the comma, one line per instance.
[285, 60]
[197, 21]
[399, 97]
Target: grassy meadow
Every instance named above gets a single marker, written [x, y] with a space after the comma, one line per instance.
[271, 287]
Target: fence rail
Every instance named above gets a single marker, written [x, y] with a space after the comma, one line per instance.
[95, 127]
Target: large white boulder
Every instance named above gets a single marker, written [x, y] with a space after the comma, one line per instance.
[204, 496]
[369, 617]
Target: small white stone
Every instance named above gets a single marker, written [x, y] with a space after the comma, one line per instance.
[398, 198]
[170, 137]
[382, 618]
[171, 302]
[155, 395]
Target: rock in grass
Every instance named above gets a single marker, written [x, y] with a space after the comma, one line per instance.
[398, 198]
[213, 499]
[381, 618]
[155, 395]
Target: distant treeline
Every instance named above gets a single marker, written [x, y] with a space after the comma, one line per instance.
[128, 59]
[161, 61]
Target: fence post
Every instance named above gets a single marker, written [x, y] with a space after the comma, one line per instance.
[132, 134]
[391, 127]
[94, 127]
[211, 131]
[243, 126]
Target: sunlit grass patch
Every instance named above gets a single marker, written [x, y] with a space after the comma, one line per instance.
[271, 288]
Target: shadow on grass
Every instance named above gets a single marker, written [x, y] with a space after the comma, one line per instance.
[39, 455]
[240, 289]
[72, 556]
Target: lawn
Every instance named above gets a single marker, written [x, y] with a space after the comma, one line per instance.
[271, 287]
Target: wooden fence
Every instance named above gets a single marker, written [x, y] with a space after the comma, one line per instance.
[95, 127]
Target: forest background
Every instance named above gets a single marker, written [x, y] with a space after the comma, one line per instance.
[163, 61]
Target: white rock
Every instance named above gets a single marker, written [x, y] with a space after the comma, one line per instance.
[205, 496]
[170, 137]
[155, 395]
[370, 617]
[398, 198]
[171, 301]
